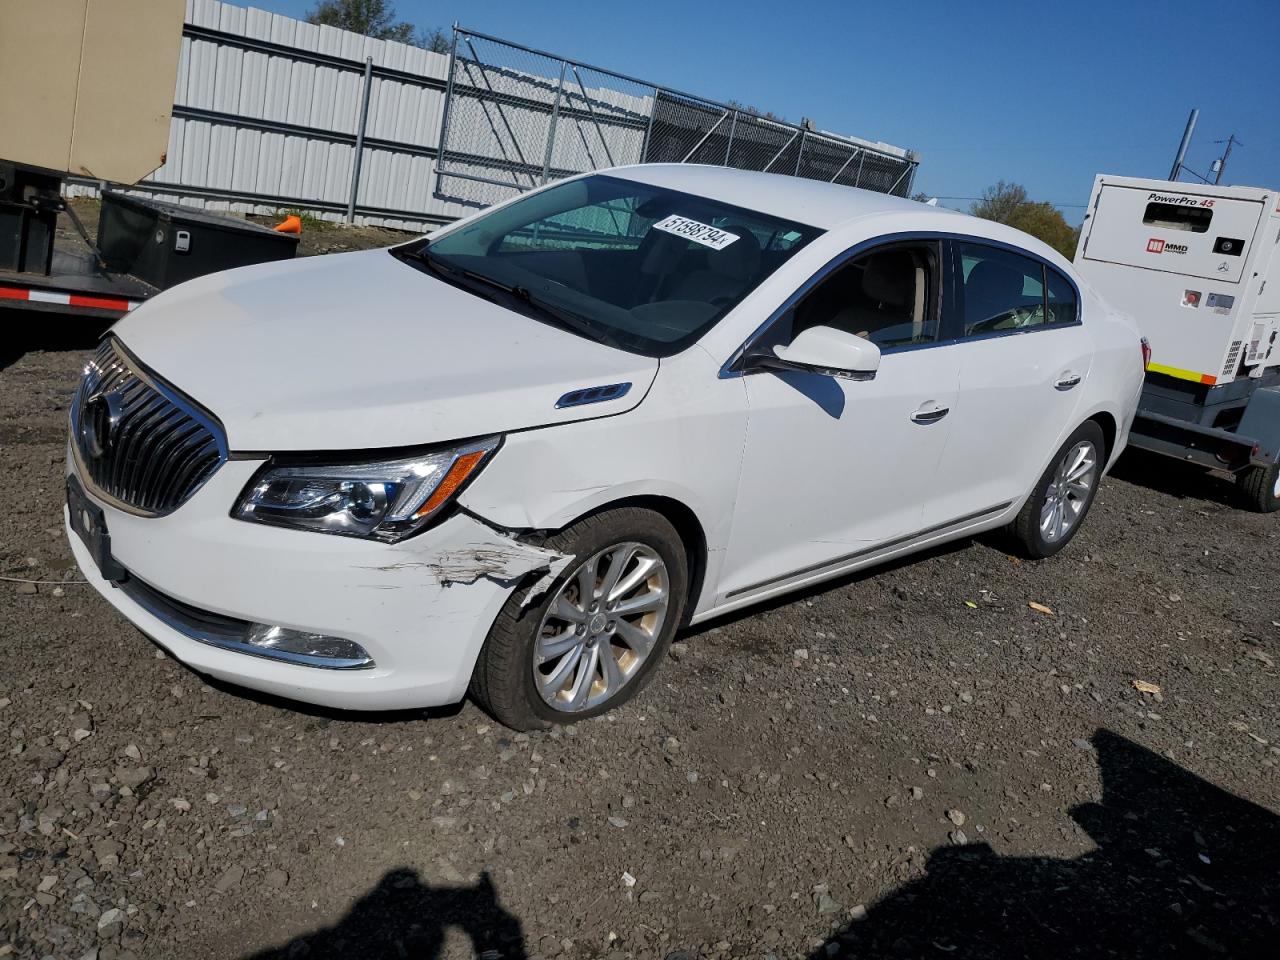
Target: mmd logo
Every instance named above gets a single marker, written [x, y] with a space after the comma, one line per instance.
[1155, 246]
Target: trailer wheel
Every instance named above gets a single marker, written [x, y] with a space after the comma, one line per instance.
[1260, 487]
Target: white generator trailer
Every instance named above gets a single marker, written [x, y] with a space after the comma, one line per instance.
[1198, 266]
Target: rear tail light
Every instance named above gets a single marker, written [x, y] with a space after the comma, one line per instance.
[1146, 354]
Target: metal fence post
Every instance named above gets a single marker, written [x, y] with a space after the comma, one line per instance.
[364, 123]
[728, 147]
[555, 117]
[648, 130]
[800, 152]
[444, 113]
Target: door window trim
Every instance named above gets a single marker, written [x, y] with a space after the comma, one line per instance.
[950, 317]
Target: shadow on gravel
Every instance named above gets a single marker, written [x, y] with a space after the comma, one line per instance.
[1182, 869]
[404, 919]
[29, 330]
[1185, 481]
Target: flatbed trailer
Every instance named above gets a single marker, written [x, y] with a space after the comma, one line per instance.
[1198, 266]
[142, 246]
[74, 285]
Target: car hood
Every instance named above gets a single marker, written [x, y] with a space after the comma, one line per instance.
[359, 351]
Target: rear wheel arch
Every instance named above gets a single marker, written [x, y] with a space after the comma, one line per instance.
[1110, 431]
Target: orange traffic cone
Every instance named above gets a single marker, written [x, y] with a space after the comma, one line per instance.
[290, 224]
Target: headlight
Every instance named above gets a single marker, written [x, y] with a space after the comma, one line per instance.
[386, 500]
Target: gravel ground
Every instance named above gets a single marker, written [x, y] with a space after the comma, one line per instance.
[913, 762]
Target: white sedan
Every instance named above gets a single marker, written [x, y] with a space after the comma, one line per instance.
[514, 458]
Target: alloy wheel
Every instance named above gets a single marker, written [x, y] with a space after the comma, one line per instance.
[1069, 491]
[601, 627]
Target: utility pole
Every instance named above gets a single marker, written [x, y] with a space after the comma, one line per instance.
[1186, 142]
[1220, 165]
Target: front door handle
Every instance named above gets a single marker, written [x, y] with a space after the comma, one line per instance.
[930, 414]
[1067, 381]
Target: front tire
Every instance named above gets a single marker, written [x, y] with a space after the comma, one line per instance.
[1260, 487]
[1061, 499]
[593, 639]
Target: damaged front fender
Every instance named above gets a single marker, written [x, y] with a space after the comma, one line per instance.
[505, 560]
[480, 552]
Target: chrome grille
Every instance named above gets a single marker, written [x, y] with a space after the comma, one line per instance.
[139, 443]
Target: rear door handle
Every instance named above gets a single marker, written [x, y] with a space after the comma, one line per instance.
[1067, 381]
[930, 414]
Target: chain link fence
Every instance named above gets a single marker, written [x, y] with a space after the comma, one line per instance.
[515, 118]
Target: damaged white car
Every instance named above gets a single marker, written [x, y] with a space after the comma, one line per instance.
[515, 457]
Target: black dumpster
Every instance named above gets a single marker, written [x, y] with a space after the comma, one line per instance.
[165, 243]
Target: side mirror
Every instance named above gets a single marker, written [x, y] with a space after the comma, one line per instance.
[829, 351]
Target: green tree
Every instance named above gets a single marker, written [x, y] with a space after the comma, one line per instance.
[435, 40]
[375, 18]
[1008, 203]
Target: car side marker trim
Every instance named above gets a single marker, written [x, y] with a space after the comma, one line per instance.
[888, 546]
[578, 398]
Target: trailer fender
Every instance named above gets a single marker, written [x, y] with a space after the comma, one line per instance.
[1261, 423]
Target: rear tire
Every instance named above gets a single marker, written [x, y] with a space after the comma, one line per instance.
[517, 678]
[1056, 509]
[1260, 487]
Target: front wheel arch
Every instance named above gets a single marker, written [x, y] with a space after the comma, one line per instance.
[687, 525]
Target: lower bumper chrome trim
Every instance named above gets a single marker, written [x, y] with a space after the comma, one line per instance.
[224, 632]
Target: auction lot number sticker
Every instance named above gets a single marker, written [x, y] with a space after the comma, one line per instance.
[702, 233]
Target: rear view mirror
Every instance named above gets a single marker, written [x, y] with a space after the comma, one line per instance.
[829, 351]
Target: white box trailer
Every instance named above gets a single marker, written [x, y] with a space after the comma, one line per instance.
[1198, 265]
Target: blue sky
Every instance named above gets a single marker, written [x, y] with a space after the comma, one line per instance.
[1045, 94]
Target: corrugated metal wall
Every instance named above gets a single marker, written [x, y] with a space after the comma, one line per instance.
[267, 110]
[253, 127]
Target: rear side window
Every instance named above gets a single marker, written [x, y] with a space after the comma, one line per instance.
[1063, 307]
[1172, 216]
[1005, 291]
[1001, 290]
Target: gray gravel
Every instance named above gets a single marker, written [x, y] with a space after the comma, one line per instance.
[913, 762]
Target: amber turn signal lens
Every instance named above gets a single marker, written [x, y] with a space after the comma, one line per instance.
[456, 477]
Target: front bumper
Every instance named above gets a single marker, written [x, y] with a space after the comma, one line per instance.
[422, 631]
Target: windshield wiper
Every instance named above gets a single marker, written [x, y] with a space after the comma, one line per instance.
[454, 276]
[467, 279]
[429, 260]
[565, 319]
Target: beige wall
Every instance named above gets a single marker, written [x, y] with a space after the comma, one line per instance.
[88, 84]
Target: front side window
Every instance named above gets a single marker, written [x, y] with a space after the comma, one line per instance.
[1003, 291]
[632, 265]
[887, 296]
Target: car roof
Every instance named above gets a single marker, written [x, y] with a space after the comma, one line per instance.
[815, 203]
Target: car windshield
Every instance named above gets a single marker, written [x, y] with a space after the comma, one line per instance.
[639, 267]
